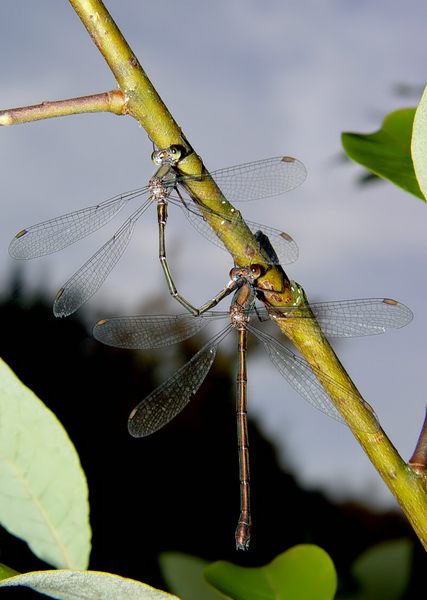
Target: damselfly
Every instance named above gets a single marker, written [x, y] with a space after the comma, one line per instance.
[342, 319]
[250, 181]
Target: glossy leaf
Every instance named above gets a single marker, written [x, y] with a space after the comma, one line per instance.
[419, 143]
[387, 152]
[43, 492]
[305, 572]
[184, 576]
[86, 585]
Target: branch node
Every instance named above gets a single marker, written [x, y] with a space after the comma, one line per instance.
[418, 461]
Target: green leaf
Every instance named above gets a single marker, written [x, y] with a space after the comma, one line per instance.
[86, 585]
[387, 152]
[305, 572]
[383, 571]
[43, 493]
[184, 576]
[419, 143]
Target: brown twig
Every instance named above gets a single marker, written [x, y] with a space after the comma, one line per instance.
[113, 102]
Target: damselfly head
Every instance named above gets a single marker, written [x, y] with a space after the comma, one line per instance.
[237, 273]
[169, 155]
[249, 273]
[256, 271]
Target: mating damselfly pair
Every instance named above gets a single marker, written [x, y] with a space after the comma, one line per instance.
[254, 180]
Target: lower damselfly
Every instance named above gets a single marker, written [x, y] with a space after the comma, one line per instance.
[251, 181]
[345, 318]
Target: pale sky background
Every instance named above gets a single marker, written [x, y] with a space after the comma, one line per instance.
[246, 80]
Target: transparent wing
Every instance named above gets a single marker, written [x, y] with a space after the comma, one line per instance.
[259, 179]
[348, 318]
[285, 246]
[344, 318]
[302, 377]
[249, 181]
[169, 399]
[144, 332]
[55, 234]
[89, 278]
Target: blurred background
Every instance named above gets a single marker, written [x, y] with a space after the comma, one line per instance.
[246, 81]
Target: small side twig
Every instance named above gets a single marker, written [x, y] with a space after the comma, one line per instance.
[113, 101]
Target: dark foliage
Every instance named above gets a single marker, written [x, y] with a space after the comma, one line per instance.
[178, 489]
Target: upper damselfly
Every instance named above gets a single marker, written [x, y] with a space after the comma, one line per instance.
[250, 181]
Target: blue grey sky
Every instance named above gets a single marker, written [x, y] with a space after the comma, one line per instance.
[246, 80]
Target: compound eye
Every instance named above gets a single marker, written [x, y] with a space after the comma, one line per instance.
[156, 158]
[175, 152]
[256, 271]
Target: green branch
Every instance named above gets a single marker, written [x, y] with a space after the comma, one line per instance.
[145, 105]
[406, 484]
[138, 98]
